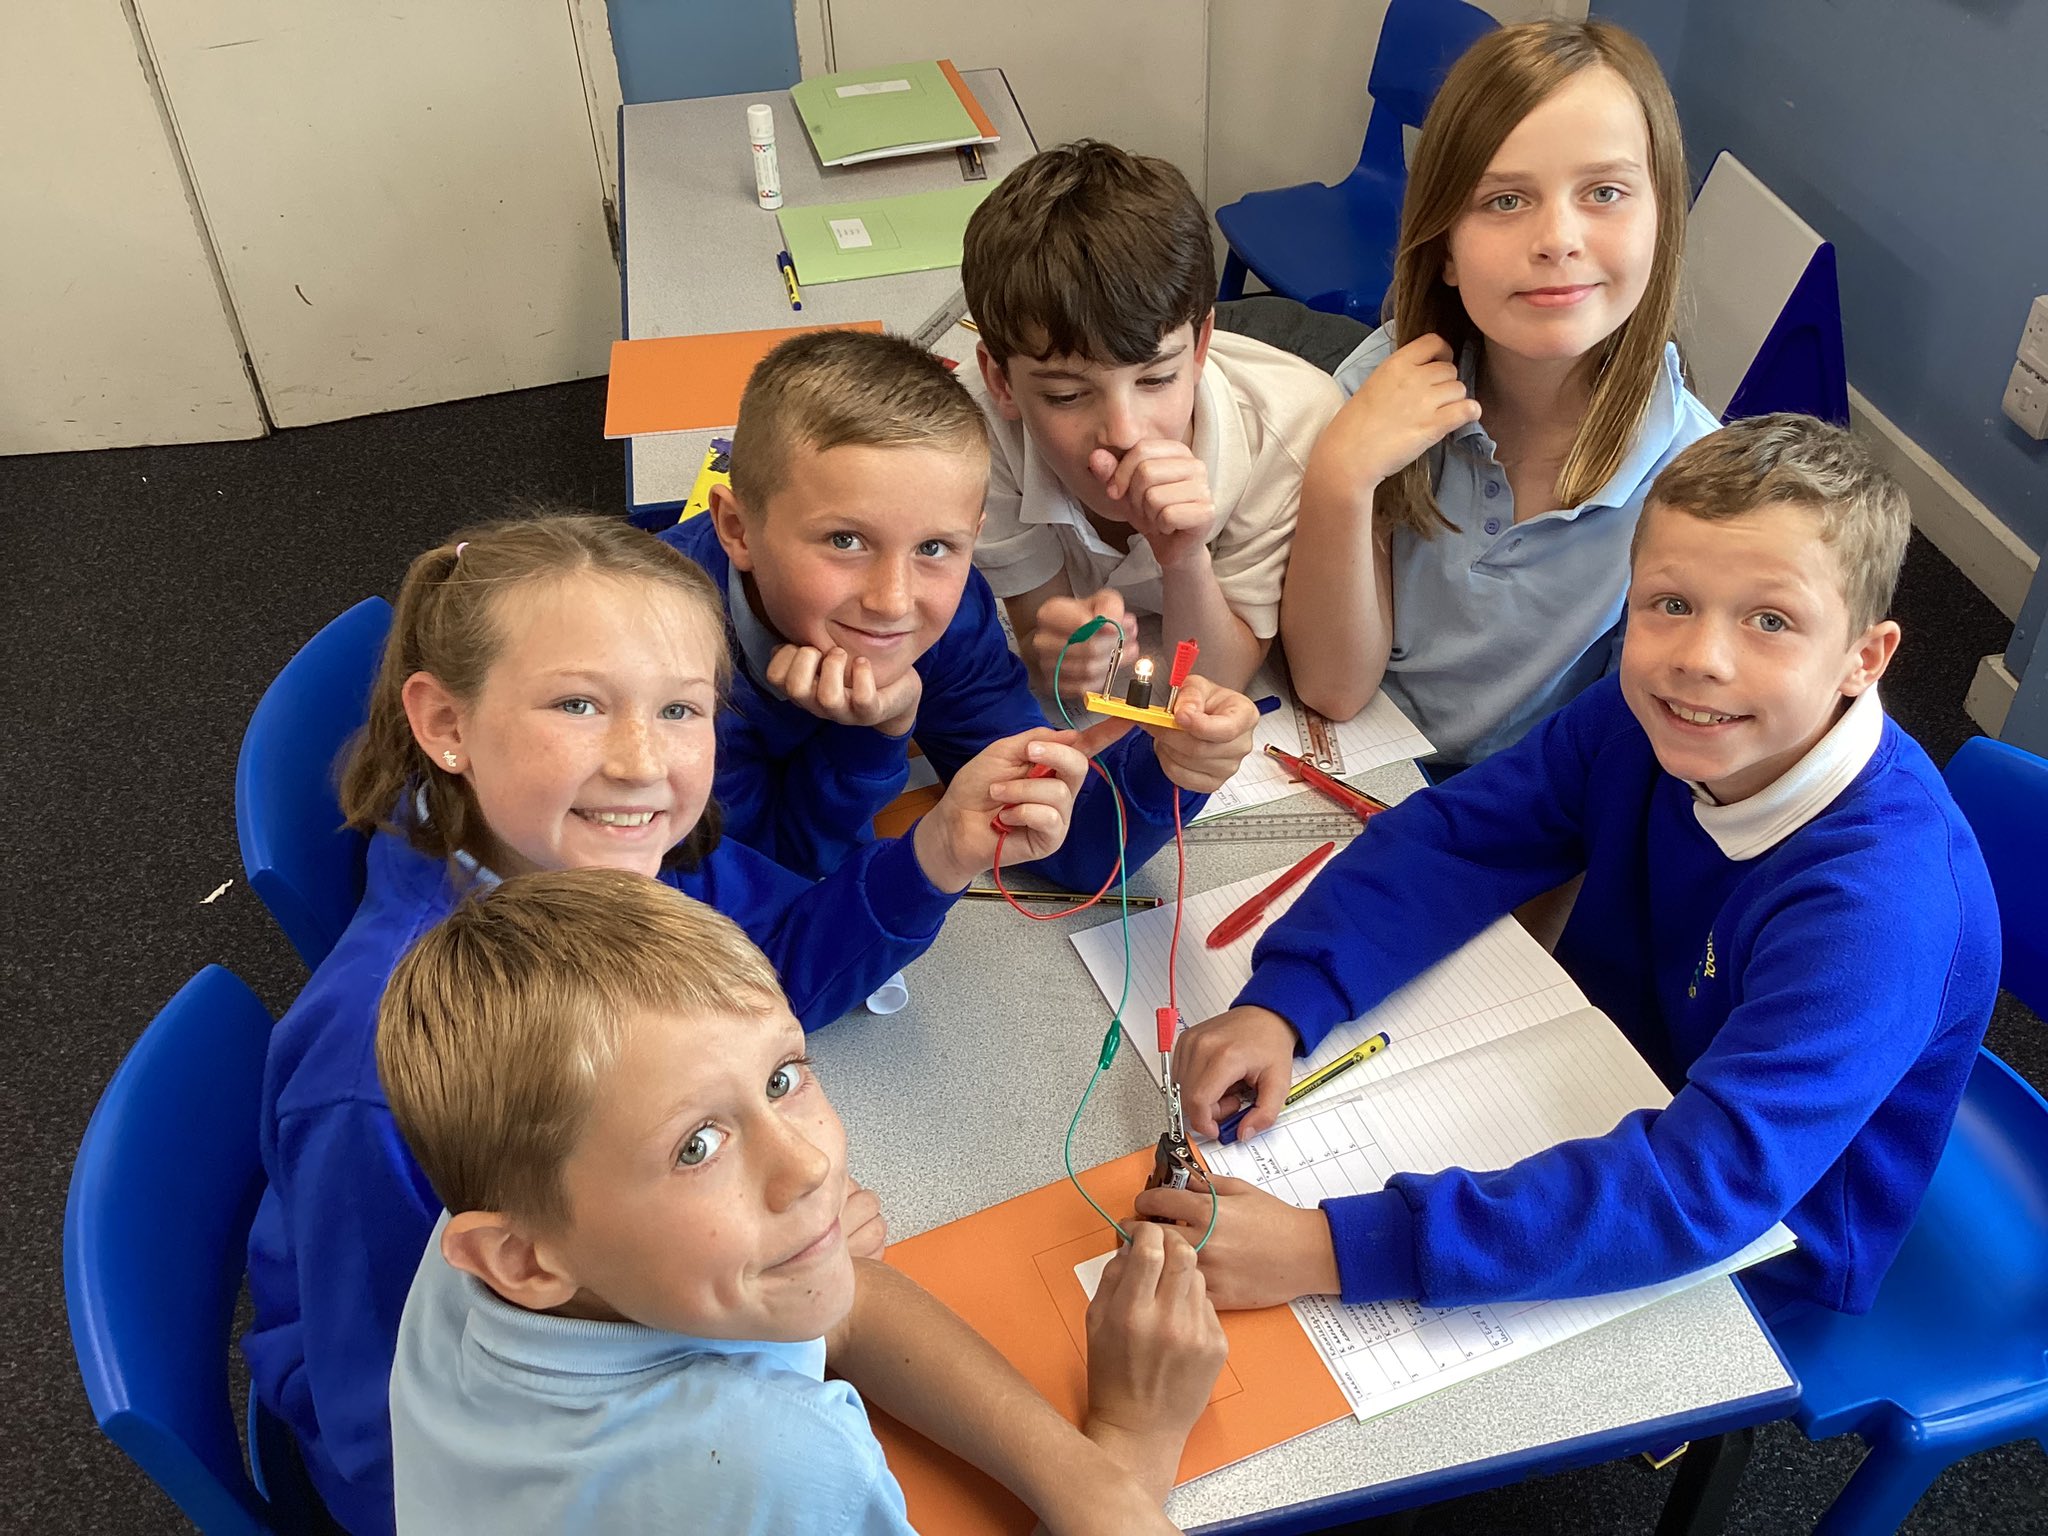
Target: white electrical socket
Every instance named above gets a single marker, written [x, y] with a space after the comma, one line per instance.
[2034, 340]
[2026, 400]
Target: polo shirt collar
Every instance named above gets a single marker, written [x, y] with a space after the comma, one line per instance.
[1652, 439]
[1754, 826]
[543, 1342]
[755, 640]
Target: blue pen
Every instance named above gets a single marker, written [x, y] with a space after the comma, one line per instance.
[1269, 703]
[788, 270]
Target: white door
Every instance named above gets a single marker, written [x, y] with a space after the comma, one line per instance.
[112, 327]
[406, 200]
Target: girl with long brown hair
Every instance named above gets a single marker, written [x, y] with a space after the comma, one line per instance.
[1465, 520]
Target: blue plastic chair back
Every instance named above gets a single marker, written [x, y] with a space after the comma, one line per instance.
[1332, 248]
[155, 1236]
[2003, 790]
[1953, 1356]
[1419, 42]
[305, 865]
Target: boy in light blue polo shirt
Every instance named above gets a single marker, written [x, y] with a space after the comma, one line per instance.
[624, 1321]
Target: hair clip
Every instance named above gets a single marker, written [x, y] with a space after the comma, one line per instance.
[460, 548]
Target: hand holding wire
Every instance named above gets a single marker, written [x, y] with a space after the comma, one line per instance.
[1260, 1250]
[1214, 738]
[997, 797]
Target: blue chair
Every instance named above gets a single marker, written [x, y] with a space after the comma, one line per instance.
[1953, 1358]
[155, 1236]
[305, 865]
[1332, 248]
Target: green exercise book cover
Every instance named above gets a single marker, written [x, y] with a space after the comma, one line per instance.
[881, 235]
[895, 109]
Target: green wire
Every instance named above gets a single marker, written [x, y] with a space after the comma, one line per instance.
[1114, 1037]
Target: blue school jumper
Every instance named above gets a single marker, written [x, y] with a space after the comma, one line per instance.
[340, 1228]
[1498, 623]
[1814, 999]
[805, 791]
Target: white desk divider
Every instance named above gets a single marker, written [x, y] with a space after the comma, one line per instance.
[1760, 315]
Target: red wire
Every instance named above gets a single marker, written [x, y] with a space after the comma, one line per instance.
[1116, 869]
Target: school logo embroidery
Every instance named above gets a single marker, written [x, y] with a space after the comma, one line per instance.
[1704, 971]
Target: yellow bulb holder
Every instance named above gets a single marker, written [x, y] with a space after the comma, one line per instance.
[1151, 714]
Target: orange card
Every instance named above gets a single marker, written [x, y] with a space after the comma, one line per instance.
[685, 383]
[1009, 1271]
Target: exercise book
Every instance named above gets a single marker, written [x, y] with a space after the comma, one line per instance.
[882, 235]
[1495, 1055]
[892, 109]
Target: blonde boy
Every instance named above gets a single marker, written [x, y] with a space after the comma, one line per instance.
[1783, 910]
[844, 553]
[1142, 460]
[626, 1317]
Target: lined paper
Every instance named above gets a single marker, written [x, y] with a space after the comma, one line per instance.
[1378, 735]
[1484, 1107]
[1500, 982]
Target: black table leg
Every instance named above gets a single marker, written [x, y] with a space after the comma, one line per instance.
[1708, 1476]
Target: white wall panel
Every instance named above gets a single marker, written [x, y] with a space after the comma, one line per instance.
[112, 329]
[405, 198]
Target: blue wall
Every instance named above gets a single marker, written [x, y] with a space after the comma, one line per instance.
[1914, 135]
[668, 49]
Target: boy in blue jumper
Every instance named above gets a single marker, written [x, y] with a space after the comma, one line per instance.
[1783, 910]
[844, 549]
[625, 1320]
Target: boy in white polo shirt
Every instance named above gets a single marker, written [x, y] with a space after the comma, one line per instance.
[1142, 462]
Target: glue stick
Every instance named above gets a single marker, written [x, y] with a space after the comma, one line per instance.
[761, 134]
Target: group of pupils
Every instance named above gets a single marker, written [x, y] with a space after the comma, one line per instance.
[560, 1232]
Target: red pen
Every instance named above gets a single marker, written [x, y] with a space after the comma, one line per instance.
[1356, 801]
[1246, 917]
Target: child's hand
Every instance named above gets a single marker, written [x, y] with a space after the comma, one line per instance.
[1252, 1046]
[1262, 1250]
[1412, 402]
[1059, 617]
[1214, 737]
[1163, 489]
[1154, 1348]
[836, 685]
[956, 839]
[861, 1222]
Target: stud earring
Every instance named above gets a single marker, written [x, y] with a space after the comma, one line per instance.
[451, 760]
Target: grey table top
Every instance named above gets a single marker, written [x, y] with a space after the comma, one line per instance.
[961, 1101]
[699, 253]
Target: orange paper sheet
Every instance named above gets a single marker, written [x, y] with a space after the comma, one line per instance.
[1009, 1271]
[688, 383]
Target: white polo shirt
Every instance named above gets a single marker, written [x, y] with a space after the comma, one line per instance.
[1500, 622]
[1258, 411]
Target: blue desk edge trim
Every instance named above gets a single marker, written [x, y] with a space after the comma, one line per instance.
[1517, 1466]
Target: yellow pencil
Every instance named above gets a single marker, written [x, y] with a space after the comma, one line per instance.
[1341, 1065]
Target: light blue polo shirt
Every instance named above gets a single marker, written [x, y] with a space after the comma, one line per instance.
[1500, 623]
[510, 1421]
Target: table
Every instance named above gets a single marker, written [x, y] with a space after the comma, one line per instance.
[697, 252]
[961, 1100]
